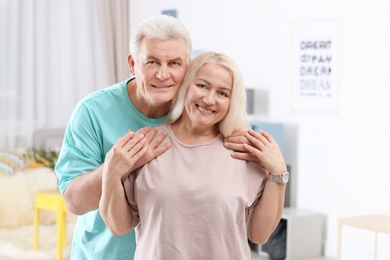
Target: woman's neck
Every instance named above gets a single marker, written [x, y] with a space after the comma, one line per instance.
[188, 133]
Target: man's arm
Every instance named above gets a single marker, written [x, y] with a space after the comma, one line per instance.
[114, 208]
[83, 193]
[113, 204]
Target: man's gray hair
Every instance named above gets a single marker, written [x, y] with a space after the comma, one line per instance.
[161, 27]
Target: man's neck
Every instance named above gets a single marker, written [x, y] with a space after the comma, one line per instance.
[148, 109]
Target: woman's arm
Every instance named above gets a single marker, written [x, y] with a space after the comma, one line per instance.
[262, 148]
[268, 212]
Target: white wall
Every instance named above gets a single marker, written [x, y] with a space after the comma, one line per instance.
[339, 161]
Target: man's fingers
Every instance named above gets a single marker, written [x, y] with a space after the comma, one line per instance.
[124, 139]
[135, 158]
[133, 141]
[160, 150]
[150, 134]
[146, 133]
[144, 130]
[236, 139]
[244, 156]
[238, 133]
[158, 140]
[136, 147]
[235, 146]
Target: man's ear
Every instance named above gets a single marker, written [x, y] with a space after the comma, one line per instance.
[130, 63]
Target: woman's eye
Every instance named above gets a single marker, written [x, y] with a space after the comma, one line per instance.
[224, 94]
[202, 86]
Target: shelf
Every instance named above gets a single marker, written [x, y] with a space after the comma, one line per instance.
[303, 235]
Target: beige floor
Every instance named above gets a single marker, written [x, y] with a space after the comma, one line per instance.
[254, 257]
[18, 242]
[258, 257]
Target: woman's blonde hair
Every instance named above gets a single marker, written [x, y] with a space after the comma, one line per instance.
[235, 119]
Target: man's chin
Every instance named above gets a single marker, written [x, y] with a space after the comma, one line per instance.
[163, 98]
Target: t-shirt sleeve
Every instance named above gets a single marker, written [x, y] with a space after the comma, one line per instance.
[81, 150]
[251, 209]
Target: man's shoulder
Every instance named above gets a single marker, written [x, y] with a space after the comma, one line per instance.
[117, 89]
[109, 95]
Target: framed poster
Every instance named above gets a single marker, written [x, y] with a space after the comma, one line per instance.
[315, 61]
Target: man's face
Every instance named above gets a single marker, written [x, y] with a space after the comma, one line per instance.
[159, 69]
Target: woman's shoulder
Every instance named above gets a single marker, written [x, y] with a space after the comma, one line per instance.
[162, 127]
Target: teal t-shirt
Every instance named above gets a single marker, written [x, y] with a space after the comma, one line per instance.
[96, 124]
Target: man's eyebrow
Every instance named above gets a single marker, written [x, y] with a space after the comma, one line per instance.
[176, 59]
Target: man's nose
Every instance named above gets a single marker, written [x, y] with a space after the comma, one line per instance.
[163, 72]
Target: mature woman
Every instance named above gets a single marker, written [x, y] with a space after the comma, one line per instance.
[196, 201]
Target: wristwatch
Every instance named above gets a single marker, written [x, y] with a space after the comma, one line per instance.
[282, 178]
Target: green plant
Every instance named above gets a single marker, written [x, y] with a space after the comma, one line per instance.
[46, 158]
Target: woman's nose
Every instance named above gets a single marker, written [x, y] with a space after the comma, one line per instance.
[209, 98]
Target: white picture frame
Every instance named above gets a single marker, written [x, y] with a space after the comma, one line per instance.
[315, 64]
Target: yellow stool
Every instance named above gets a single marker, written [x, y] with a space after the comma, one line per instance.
[51, 200]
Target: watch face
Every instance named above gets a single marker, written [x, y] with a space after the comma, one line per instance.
[285, 177]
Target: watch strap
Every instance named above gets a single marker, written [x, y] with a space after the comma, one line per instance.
[281, 178]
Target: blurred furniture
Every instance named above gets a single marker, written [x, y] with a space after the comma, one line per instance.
[303, 234]
[23, 194]
[48, 138]
[51, 199]
[17, 196]
[274, 129]
[376, 223]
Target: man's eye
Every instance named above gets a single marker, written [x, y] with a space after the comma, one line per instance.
[175, 63]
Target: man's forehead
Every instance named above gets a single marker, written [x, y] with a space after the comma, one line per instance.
[172, 49]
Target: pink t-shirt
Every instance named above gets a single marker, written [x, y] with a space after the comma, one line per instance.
[194, 202]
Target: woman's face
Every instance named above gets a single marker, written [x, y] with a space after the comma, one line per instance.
[208, 97]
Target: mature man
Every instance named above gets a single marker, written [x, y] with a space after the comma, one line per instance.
[160, 50]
